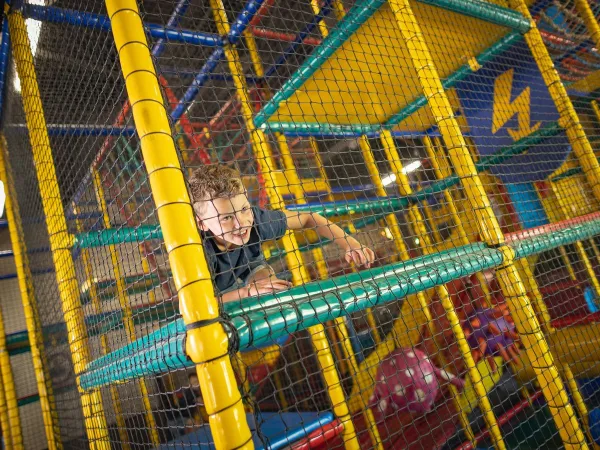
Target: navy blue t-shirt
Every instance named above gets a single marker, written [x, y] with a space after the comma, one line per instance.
[231, 268]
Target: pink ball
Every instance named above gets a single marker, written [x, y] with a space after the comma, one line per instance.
[407, 381]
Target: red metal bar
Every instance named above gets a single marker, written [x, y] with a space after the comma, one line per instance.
[503, 419]
[576, 319]
[319, 437]
[184, 121]
[279, 36]
[556, 226]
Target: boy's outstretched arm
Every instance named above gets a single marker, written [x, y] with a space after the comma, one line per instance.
[354, 251]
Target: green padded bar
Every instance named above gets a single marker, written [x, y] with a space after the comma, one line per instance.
[164, 349]
[360, 12]
[488, 12]
[116, 236]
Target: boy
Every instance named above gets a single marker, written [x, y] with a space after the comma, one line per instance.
[233, 231]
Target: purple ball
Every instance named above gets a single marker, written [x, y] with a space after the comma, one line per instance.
[478, 324]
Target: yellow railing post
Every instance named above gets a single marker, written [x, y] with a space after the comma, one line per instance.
[207, 343]
[60, 240]
[124, 302]
[10, 393]
[514, 292]
[36, 340]
[293, 256]
[586, 13]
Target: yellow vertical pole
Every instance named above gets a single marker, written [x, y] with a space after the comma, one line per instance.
[522, 311]
[207, 344]
[293, 256]
[392, 221]
[86, 261]
[586, 13]
[124, 303]
[10, 393]
[60, 240]
[416, 219]
[4, 422]
[36, 342]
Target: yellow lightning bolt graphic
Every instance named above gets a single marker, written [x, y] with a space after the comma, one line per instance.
[504, 109]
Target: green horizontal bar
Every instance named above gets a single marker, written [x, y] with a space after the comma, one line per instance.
[548, 241]
[321, 128]
[486, 11]
[267, 319]
[464, 71]
[28, 400]
[567, 174]
[358, 14]
[116, 236]
[135, 285]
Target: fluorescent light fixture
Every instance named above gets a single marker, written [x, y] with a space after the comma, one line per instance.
[388, 179]
[2, 198]
[34, 28]
[410, 167]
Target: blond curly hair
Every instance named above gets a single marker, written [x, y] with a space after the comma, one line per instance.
[214, 181]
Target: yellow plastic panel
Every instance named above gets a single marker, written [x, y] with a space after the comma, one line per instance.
[371, 76]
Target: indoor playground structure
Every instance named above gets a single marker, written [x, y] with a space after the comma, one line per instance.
[457, 139]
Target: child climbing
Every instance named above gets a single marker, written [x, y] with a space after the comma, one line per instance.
[233, 231]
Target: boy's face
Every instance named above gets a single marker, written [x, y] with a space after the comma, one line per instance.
[229, 219]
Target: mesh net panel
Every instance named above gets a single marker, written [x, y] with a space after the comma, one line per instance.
[396, 265]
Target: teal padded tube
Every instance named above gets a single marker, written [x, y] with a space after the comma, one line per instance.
[116, 236]
[260, 323]
[486, 11]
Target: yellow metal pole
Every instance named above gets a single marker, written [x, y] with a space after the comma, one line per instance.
[586, 13]
[425, 243]
[514, 292]
[392, 221]
[4, 422]
[10, 393]
[36, 340]
[207, 345]
[124, 303]
[86, 261]
[60, 240]
[293, 256]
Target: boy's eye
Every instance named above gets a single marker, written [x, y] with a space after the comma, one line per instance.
[245, 209]
[226, 218]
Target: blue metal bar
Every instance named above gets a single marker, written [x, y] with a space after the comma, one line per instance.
[176, 15]
[100, 22]
[10, 276]
[241, 23]
[3, 224]
[82, 130]
[4, 52]
[324, 12]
